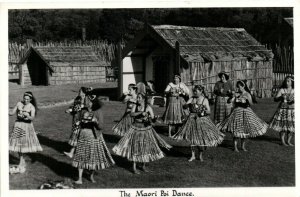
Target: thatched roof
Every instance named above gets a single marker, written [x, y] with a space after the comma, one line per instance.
[65, 54]
[213, 44]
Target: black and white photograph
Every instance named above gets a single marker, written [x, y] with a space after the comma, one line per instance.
[150, 101]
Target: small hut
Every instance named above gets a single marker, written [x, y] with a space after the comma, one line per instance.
[61, 65]
[198, 54]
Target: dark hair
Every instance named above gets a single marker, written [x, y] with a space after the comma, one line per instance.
[243, 83]
[178, 76]
[284, 85]
[77, 100]
[86, 90]
[223, 73]
[97, 104]
[200, 88]
[132, 86]
[32, 101]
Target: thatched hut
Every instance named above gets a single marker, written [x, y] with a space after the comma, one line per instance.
[198, 54]
[61, 65]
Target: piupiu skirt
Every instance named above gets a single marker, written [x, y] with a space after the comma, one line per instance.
[91, 153]
[200, 131]
[141, 144]
[243, 123]
[175, 114]
[222, 109]
[283, 120]
[23, 138]
[123, 125]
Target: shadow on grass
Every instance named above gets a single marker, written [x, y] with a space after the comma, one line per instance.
[111, 138]
[13, 160]
[56, 145]
[268, 139]
[112, 93]
[58, 167]
[14, 81]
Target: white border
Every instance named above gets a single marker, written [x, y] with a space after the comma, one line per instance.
[93, 4]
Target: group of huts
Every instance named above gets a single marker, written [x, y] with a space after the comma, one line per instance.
[157, 53]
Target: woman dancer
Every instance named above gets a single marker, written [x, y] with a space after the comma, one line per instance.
[175, 114]
[243, 123]
[75, 112]
[23, 138]
[124, 124]
[199, 130]
[91, 151]
[223, 91]
[283, 120]
[141, 143]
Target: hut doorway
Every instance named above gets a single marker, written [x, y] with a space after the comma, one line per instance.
[161, 72]
[38, 70]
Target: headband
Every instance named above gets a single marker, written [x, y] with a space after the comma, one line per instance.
[242, 83]
[290, 77]
[28, 94]
[178, 76]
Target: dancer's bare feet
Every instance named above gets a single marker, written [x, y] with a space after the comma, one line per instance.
[290, 144]
[78, 182]
[68, 154]
[92, 178]
[191, 159]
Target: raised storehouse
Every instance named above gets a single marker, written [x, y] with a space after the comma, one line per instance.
[198, 55]
[61, 65]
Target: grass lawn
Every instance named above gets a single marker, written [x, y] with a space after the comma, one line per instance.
[267, 163]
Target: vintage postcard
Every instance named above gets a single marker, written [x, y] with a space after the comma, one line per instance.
[161, 99]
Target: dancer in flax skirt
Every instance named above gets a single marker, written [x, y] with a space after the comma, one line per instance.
[23, 138]
[175, 114]
[283, 120]
[243, 123]
[91, 151]
[124, 124]
[75, 112]
[141, 143]
[199, 129]
[223, 91]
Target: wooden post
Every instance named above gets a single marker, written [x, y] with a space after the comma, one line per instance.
[177, 58]
[47, 76]
[120, 69]
[21, 74]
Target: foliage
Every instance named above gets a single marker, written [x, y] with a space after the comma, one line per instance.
[265, 24]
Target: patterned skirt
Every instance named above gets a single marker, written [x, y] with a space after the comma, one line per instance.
[243, 123]
[74, 135]
[283, 120]
[175, 114]
[200, 131]
[222, 109]
[23, 138]
[141, 144]
[91, 153]
[123, 125]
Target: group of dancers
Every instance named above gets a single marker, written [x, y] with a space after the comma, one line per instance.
[187, 117]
